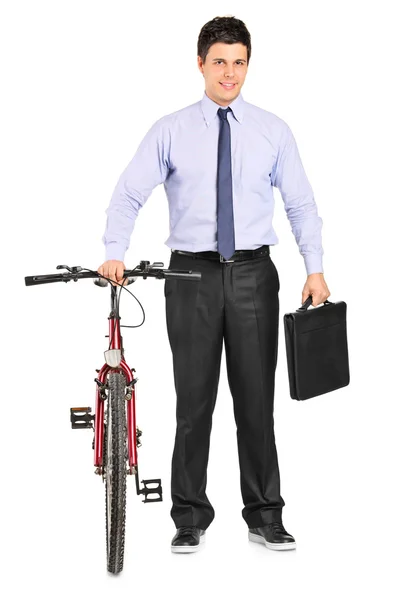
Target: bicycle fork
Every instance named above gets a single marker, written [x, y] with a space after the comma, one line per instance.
[81, 417]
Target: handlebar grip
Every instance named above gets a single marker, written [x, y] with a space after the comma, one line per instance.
[29, 280]
[38, 279]
[182, 275]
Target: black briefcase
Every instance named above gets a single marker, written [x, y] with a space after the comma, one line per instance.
[316, 349]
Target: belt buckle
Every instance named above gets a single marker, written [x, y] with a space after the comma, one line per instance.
[223, 260]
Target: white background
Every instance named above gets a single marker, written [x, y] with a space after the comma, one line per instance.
[82, 84]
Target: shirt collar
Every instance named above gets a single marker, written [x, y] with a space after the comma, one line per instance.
[210, 108]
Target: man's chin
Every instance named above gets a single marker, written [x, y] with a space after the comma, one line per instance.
[227, 97]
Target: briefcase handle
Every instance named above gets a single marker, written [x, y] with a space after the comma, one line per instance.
[308, 303]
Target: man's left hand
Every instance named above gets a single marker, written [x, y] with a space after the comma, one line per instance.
[316, 287]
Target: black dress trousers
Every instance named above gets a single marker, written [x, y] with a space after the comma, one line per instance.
[236, 303]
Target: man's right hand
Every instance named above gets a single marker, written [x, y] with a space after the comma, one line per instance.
[114, 270]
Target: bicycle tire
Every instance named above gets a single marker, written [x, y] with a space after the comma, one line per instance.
[115, 454]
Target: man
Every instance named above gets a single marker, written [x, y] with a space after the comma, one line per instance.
[218, 160]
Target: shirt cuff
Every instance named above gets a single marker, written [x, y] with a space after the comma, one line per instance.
[115, 251]
[313, 263]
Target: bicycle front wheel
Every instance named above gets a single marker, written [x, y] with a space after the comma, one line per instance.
[115, 455]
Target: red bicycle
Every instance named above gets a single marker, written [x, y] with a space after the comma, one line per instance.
[116, 436]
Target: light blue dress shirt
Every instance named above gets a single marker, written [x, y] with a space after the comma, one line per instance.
[180, 150]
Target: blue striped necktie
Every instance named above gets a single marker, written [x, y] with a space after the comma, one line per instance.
[225, 224]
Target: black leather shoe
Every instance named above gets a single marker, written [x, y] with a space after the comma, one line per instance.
[274, 536]
[188, 539]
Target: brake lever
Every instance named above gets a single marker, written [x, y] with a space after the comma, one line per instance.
[70, 269]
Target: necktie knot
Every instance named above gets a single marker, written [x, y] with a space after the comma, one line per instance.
[223, 113]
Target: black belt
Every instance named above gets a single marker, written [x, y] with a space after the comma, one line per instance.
[237, 256]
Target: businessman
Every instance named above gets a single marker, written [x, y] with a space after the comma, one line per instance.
[219, 160]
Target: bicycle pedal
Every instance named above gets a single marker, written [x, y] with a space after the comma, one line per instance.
[147, 491]
[81, 418]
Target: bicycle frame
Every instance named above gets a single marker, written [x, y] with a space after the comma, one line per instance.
[116, 344]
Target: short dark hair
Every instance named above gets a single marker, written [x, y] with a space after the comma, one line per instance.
[228, 30]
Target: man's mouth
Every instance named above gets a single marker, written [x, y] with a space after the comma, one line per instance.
[227, 86]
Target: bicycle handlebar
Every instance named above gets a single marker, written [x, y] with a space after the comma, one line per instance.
[145, 270]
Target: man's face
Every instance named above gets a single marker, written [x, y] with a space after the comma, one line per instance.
[224, 63]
